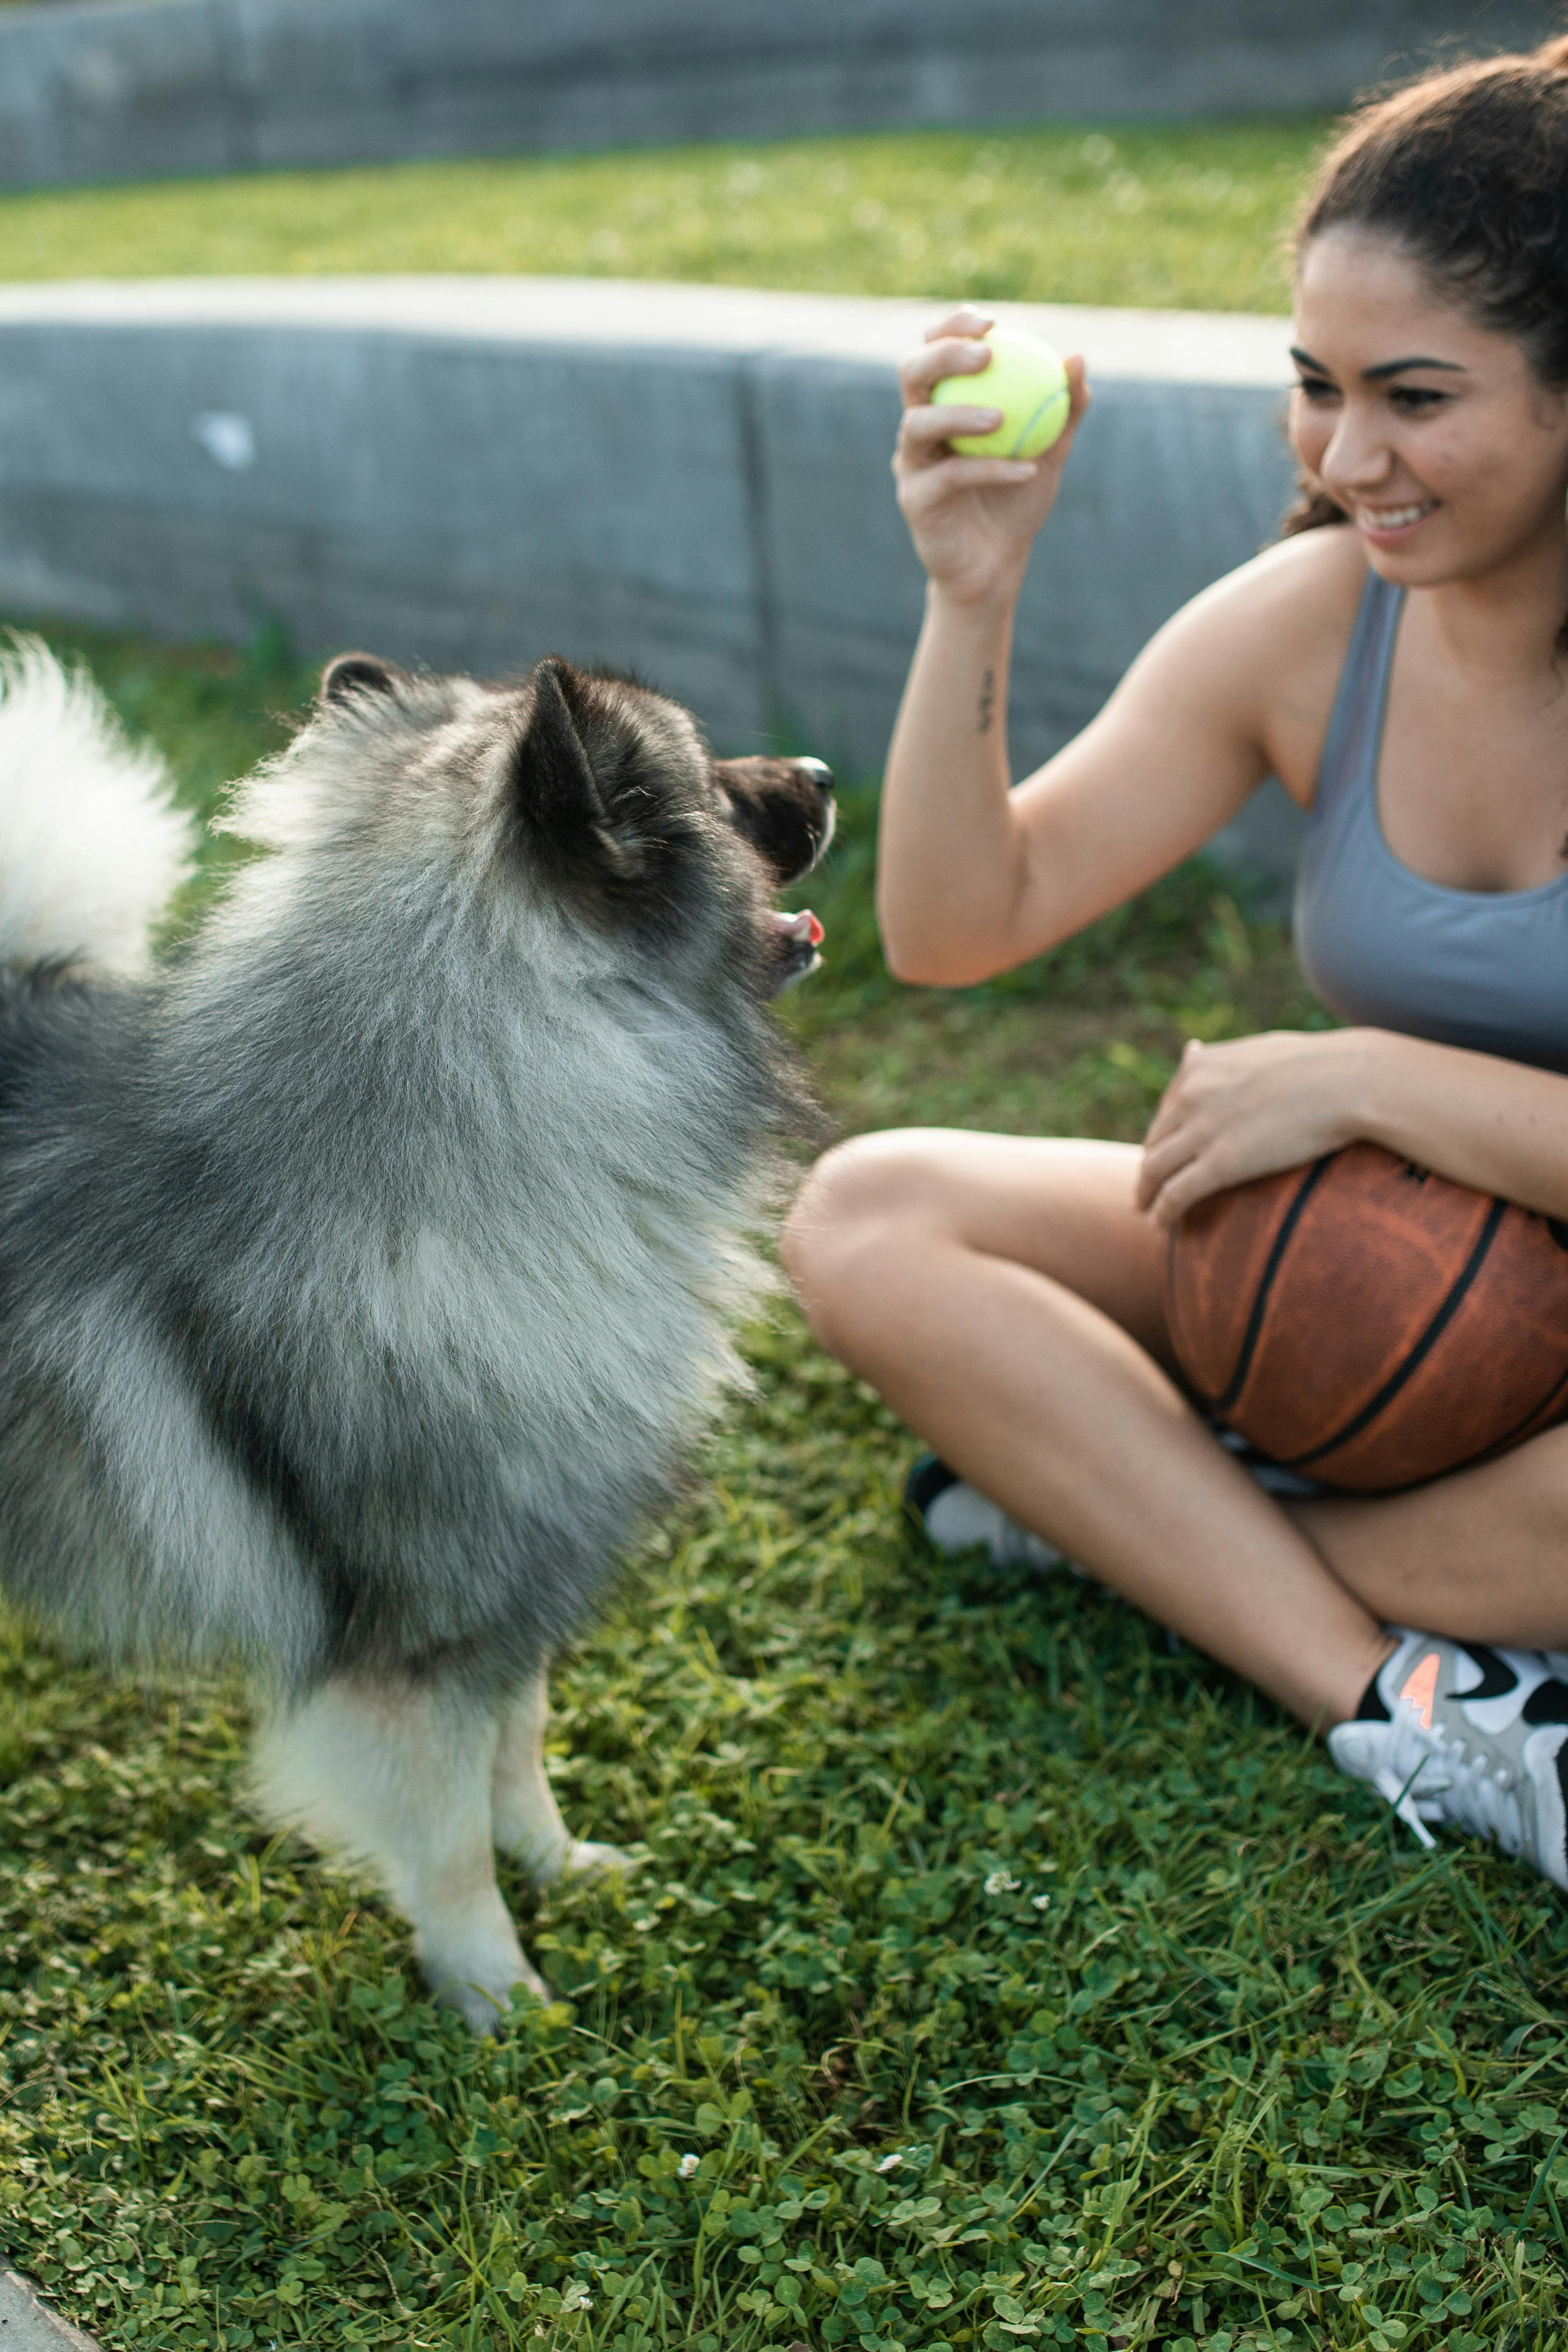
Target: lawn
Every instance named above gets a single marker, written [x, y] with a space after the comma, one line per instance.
[1188, 216]
[996, 1976]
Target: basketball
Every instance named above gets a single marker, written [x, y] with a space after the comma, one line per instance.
[1370, 1324]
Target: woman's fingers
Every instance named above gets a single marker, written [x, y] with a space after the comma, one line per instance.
[1185, 1189]
[1165, 1116]
[938, 425]
[1173, 1103]
[1080, 400]
[922, 486]
[924, 432]
[1183, 1168]
[947, 356]
[967, 320]
[1160, 1162]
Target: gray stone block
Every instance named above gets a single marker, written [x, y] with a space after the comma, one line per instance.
[444, 498]
[120, 88]
[28, 2325]
[117, 90]
[689, 481]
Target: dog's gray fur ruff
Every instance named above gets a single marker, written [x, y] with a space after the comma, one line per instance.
[366, 1274]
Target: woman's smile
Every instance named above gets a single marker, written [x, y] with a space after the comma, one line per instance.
[1428, 429]
[1393, 526]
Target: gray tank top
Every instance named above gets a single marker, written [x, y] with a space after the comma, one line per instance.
[1383, 946]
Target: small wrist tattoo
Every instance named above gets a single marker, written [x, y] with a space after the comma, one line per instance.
[987, 701]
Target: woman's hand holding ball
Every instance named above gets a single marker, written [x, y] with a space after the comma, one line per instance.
[1028, 386]
[1252, 1106]
[972, 517]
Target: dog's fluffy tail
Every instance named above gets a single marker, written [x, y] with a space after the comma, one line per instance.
[91, 846]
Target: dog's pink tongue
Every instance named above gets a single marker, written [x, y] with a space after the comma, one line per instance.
[803, 926]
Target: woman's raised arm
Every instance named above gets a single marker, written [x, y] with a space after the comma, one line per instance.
[974, 877]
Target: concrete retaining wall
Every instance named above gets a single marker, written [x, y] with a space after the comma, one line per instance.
[689, 481]
[123, 89]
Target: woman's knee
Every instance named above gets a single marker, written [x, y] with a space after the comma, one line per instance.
[852, 1218]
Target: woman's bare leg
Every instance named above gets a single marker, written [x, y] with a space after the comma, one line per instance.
[1481, 1556]
[1004, 1295]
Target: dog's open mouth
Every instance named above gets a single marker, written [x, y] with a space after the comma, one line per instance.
[798, 939]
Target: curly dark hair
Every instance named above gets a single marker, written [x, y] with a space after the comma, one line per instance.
[1466, 170]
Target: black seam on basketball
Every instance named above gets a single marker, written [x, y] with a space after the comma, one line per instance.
[1421, 1350]
[1511, 1437]
[1253, 1332]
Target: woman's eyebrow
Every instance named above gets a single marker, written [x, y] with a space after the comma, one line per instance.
[1393, 367]
[1384, 367]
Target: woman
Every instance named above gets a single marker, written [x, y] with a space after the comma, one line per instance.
[1406, 673]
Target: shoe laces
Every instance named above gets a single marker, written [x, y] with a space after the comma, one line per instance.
[1433, 1774]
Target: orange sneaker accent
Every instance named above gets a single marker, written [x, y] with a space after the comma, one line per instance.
[1421, 1688]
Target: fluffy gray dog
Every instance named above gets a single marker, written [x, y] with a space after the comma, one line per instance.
[365, 1273]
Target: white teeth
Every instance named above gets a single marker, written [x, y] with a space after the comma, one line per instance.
[1395, 518]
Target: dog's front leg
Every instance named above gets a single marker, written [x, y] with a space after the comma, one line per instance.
[527, 1819]
[394, 1772]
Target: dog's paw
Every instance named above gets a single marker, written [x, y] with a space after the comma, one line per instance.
[549, 1860]
[483, 2007]
[476, 1964]
[578, 1858]
[582, 1859]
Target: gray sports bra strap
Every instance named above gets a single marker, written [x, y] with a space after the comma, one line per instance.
[1355, 723]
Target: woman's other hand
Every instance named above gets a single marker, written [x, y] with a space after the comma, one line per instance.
[973, 519]
[1247, 1108]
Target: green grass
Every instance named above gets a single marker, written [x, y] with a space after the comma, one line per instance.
[1184, 215]
[993, 1976]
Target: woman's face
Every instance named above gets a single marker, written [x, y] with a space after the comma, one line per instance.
[1431, 432]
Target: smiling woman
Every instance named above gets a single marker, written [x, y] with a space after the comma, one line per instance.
[1431, 902]
[1402, 674]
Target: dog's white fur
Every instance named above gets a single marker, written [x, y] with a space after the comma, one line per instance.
[90, 890]
[419, 1785]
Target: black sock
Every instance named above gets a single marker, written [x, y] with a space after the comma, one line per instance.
[1372, 1709]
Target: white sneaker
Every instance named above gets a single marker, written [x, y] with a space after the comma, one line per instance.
[1456, 1732]
[957, 1517]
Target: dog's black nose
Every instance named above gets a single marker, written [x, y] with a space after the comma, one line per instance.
[820, 773]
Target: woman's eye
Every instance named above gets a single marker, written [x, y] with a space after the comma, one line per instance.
[1316, 388]
[1415, 400]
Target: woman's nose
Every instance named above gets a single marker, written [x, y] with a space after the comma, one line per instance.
[1357, 458]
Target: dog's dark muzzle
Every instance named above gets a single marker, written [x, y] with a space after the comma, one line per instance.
[783, 808]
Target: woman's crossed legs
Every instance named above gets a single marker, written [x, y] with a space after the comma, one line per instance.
[1005, 1297]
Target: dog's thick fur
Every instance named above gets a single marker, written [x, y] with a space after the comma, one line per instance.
[365, 1274]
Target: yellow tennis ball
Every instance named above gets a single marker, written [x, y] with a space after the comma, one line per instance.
[1027, 382]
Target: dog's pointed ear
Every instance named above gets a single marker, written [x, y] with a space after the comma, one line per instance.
[557, 794]
[354, 674]
[555, 775]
